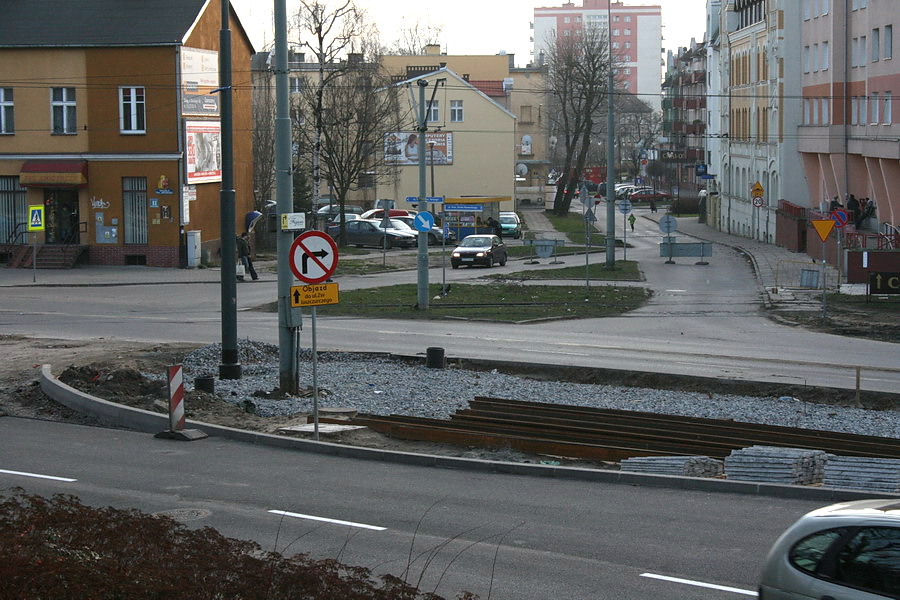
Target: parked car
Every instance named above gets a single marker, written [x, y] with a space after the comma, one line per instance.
[378, 213]
[435, 236]
[479, 249]
[849, 551]
[367, 232]
[347, 217]
[648, 195]
[335, 209]
[510, 225]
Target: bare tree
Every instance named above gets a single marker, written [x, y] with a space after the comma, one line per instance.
[413, 39]
[578, 69]
[263, 137]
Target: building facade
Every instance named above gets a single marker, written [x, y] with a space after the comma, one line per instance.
[756, 52]
[114, 130]
[636, 33]
[849, 136]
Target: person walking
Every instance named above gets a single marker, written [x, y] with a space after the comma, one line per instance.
[495, 225]
[631, 220]
[244, 251]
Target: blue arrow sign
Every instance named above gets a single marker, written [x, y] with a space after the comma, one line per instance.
[424, 221]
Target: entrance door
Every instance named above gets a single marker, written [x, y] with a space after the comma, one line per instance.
[61, 206]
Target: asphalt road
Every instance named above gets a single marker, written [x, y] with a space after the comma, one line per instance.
[511, 536]
[702, 320]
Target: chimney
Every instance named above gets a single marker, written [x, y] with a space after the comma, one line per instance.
[432, 50]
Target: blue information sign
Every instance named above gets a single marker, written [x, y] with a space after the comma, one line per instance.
[464, 207]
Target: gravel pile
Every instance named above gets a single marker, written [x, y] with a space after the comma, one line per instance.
[378, 385]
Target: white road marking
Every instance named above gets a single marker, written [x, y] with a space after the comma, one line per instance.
[335, 521]
[711, 586]
[37, 475]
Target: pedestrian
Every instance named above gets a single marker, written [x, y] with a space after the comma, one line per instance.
[631, 220]
[243, 252]
[652, 205]
[495, 225]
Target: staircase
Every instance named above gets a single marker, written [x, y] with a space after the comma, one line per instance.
[49, 256]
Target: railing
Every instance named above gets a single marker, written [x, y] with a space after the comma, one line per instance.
[19, 230]
[873, 241]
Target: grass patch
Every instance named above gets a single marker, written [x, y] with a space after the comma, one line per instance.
[572, 224]
[496, 301]
[624, 270]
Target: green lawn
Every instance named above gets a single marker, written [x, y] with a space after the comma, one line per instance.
[626, 270]
[496, 301]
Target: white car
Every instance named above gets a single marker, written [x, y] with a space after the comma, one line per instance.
[846, 551]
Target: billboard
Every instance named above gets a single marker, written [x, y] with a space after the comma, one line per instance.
[402, 147]
[203, 151]
[199, 77]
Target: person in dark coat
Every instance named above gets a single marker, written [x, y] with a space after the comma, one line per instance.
[495, 225]
[243, 252]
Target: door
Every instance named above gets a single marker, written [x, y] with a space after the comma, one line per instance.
[61, 214]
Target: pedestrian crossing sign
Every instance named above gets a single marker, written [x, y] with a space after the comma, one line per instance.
[36, 218]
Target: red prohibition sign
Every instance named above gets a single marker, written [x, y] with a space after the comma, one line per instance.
[313, 257]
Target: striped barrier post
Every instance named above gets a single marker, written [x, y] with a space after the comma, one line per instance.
[176, 431]
[175, 376]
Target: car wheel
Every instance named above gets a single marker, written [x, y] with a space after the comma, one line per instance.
[490, 261]
[503, 262]
[455, 266]
[389, 243]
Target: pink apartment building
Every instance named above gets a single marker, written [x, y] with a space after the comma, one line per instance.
[850, 137]
[636, 36]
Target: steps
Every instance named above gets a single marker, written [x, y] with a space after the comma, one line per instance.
[49, 256]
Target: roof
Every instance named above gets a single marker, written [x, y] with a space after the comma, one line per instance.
[460, 80]
[490, 87]
[97, 23]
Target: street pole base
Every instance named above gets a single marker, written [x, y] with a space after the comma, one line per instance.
[670, 262]
[182, 435]
[230, 371]
[701, 262]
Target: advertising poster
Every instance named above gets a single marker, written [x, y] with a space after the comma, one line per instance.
[199, 77]
[402, 147]
[203, 151]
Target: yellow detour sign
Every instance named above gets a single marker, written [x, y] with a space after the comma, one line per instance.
[36, 217]
[757, 190]
[314, 294]
[823, 228]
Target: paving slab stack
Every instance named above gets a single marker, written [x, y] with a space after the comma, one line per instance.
[689, 466]
[771, 464]
[853, 472]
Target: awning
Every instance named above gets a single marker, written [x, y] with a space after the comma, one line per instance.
[54, 173]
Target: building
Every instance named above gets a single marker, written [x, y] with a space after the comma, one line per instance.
[849, 136]
[470, 142]
[110, 122]
[755, 49]
[685, 121]
[636, 33]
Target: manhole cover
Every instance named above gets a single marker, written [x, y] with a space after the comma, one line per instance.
[183, 515]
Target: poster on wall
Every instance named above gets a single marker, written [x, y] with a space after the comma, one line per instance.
[199, 77]
[402, 147]
[203, 151]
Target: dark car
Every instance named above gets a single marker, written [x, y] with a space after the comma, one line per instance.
[648, 195]
[366, 232]
[480, 249]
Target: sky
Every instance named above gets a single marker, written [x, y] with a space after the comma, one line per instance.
[476, 26]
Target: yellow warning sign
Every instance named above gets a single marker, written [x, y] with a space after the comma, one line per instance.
[823, 228]
[314, 294]
[757, 190]
[36, 217]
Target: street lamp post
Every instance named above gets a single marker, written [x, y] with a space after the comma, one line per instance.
[431, 157]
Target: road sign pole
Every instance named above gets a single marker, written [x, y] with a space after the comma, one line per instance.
[824, 287]
[34, 257]
[624, 237]
[315, 374]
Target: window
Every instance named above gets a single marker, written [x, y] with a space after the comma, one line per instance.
[809, 552]
[456, 111]
[132, 110]
[807, 109]
[863, 110]
[434, 112]
[62, 108]
[869, 561]
[566, 20]
[826, 117]
[886, 116]
[806, 9]
[825, 7]
[815, 57]
[134, 199]
[296, 84]
[854, 52]
[863, 3]
[862, 51]
[627, 45]
[874, 108]
[13, 209]
[806, 59]
[525, 114]
[616, 19]
[626, 32]
[876, 43]
[854, 111]
[7, 120]
[628, 19]
[826, 56]
[615, 45]
[615, 32]
[888, 41]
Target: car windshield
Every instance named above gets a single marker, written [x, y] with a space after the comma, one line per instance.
[398, 224]
[476, 242]
[509, 220]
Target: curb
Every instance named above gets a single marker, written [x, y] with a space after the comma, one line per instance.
[136, 419]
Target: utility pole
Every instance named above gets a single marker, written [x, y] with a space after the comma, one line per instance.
[610, 153]
[422, 257]
[230, 368]
[284, 203]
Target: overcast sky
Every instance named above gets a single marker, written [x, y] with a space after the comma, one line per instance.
[477, 26]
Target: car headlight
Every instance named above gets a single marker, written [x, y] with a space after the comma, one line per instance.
[480, 255]
[455, 255]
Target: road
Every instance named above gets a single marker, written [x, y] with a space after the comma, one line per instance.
[701, 320]
[528, 538]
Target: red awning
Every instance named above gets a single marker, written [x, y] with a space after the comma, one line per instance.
[54, 173]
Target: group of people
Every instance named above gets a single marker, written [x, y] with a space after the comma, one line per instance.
[856, 208]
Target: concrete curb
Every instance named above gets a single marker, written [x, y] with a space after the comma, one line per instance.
[145, 421]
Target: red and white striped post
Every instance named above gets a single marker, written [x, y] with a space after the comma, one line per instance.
[175, 375]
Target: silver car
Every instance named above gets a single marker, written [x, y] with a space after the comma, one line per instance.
[847, 551]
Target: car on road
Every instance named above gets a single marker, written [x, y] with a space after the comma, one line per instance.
[378, 213]
[510, 225]
[479, 249]
[849, 551]
[368, 232]
[435, 235]
[647, 195]
[329, 210]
